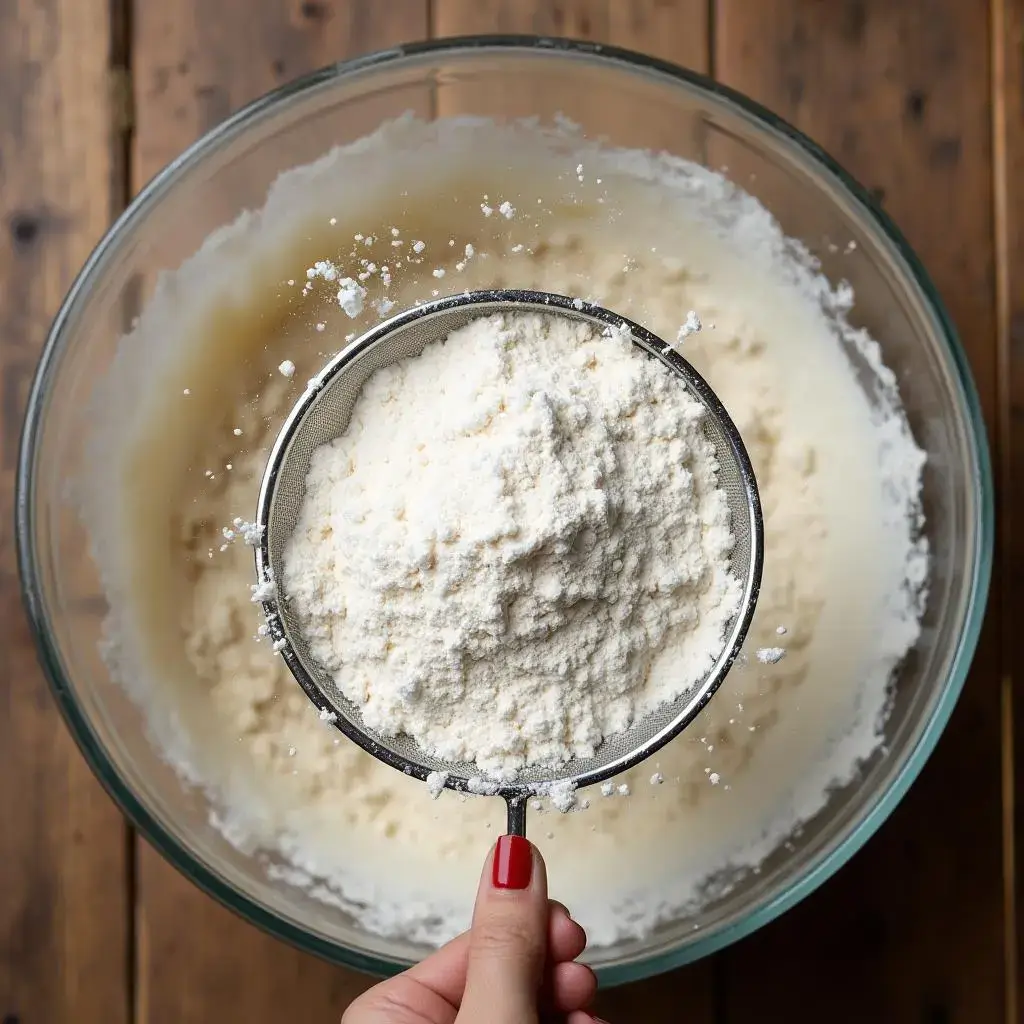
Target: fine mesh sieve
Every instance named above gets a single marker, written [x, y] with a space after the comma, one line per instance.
[322, 414]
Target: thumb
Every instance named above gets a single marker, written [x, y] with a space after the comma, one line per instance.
[509, 938]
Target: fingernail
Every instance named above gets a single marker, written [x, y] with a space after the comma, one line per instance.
[513, 863]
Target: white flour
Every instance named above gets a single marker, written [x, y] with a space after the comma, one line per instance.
[517, 524]
[436, 782]
[839, 476]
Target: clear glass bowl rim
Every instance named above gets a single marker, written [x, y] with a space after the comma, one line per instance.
[58, 339]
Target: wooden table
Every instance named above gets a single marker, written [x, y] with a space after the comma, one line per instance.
[922, 99]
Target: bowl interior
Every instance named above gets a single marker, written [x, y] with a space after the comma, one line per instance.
[231, 170]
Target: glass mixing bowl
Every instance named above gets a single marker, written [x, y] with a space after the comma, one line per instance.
[632, 101]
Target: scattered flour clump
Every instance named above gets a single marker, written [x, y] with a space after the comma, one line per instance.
[562, 794]
[480, 502]
[436, 782]
[480, 786]
[691, 325]
[350, 296]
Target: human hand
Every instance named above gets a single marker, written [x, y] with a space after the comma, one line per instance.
[516, 963]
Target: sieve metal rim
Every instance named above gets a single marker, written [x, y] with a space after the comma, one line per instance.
[489, 301]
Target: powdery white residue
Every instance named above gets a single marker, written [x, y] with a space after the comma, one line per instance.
[562, 794]
[770, 655]
[491, 626]
[482, 786]
[287, 369]
[436, 782]
[251, 533]
[325, 270]
[241, 529]
[350, 296]
[691, 325]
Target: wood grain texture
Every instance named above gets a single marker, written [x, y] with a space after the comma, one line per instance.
[1008, 134]
[64, 937]
[193, 64]
[678, 32]
[911, 929]
[198, 962]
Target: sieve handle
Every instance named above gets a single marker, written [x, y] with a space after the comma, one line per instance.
[516, 815]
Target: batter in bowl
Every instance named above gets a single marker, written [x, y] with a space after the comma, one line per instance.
[225, 347]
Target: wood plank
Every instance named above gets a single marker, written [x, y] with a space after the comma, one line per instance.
[194, 63]
[64, 909]
[911, 930]
[1008, 97]
[675, 31]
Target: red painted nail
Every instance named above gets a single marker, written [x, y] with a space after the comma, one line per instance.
[513, 863]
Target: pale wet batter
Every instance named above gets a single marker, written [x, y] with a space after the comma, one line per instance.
[650, 239]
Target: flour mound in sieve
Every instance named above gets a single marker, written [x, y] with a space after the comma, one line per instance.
[517, 524]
